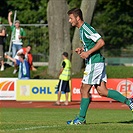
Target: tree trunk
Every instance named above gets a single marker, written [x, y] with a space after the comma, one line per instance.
[87, 7]
[59, 34]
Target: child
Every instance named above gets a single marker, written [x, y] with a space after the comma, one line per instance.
[24, 68]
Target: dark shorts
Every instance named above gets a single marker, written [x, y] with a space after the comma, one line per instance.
[63, 86]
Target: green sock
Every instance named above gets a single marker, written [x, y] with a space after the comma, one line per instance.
[83, 108]
[117, 96]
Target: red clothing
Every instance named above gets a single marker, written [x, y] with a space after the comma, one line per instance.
[30, 58]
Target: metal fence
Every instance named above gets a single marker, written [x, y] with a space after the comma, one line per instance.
[124, 57]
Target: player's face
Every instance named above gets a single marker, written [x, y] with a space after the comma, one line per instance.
[73, 20]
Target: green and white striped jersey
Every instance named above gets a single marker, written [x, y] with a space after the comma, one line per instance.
[89, 38]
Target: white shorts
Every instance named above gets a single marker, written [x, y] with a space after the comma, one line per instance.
[94, 74]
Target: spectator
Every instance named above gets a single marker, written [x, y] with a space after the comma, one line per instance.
[24, 68]
[18, 34]
[2, 37]
[64, 77]
[28, 56]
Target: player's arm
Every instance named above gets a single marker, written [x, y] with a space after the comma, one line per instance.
[9, 18]
[100, 43]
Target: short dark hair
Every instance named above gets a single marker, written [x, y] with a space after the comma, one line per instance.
[76, 12]
[65, 54]
[22, 56]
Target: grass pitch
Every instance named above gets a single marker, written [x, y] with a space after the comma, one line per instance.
[46, 120]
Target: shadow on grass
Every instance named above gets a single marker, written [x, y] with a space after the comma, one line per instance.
[127, 122]
[124, 122]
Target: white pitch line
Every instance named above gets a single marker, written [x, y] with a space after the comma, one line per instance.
[31, 128]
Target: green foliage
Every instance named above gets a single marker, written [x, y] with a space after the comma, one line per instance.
[30, 11]
[74, 3]
[113, 19]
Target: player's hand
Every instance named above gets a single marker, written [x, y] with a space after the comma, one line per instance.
[84, 55]
[78, 50]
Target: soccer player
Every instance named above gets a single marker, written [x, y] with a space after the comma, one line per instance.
[94, 74]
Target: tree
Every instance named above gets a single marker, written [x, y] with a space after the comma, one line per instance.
[59, 35]
[114, 19]
[87, 7]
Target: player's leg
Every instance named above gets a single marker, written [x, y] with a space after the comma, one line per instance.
[87, 82]
[103, 91]
[85, 101]
[84, 104]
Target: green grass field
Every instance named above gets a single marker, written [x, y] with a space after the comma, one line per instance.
[46, 120]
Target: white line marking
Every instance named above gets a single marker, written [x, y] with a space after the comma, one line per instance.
[31, 128]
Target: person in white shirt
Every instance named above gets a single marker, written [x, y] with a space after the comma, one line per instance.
[18, 34]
